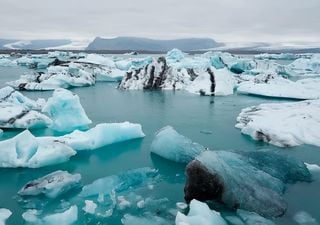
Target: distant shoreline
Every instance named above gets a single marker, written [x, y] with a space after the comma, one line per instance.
[233, 51]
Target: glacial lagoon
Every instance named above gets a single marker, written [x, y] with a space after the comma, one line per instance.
[207, 120]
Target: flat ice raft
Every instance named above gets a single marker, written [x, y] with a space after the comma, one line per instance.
[282, 124]
[282, 88]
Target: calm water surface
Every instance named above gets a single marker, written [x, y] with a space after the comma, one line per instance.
[188, 114]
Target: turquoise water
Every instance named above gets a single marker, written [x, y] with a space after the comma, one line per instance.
[188, 114]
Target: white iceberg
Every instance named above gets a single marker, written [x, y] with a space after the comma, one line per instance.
[200, 213]
[4, 215]
[6, 61]
[98, 60]
[282, 124]
[171, 145]
[66, 112]
[99, 136]
[68, 217]
[107, 74]
[175, 55]
[18, 116]
[74, 76]
[90, 207]
[25, 150]
[307, 67]
[214, 82]
[51, 185]
[282, 88]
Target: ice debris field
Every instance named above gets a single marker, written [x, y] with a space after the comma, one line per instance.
[219, 186]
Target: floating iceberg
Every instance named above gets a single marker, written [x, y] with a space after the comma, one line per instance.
[99, 136]
[149, 219]
[200, 213]
[4, 215]
[68, 217]
[51, 185]
[6, 61]
[246, 181]
[307, 67]
[66, 112]
[213, 82]
[242, 217]
[171, 145]
[282, 88]
[175, 55]
[25, 150]
[282, 124]
[120, 183]
[108, 74]
[98, 60]
[9, 95]
[74, 75]
[281, 56]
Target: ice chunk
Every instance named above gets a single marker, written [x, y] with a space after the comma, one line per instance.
[313, 168]
[90, 207]
[6, 61]
[175, 55]
[304, 67]
[52, 185]
[247, 181]
[66, 112]
[68, 217]
[282, 88]
[109, 74]
[281, 56]
[200, 213]
[74, 76]
[213, 82]
[304, 218]
[25, 150]
[9, 95]
[282, 124]
[18, 116]
[4, 215]
[101, 135]
[171, 145]
[98, 59]
[119, 183]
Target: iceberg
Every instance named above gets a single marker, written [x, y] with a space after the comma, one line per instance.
[242, 217]
[146, 219]
[279, 87]
[6, 61]
[25, 150]
[51, 185]
[200, 213]
[175, 55]
[4, 215]
[306, 67]
[213, 82]
[282, 124]
[120, 183]
[68, 217]
[18, 116]
[173, 146]
[241, 180]
[108, 74]
[74, 75]
[66, 112]
[99, 136]
[281, 56]
[9, 95]
[98, 60]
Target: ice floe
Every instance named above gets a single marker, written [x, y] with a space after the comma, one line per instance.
[66, 112]
[200, 213]
[307, 67]
[25, 150]
[279, 87]
[4, 215]
[51, 185]
[282, 124]
[67, 217]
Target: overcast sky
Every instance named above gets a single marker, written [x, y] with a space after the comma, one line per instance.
[224, 20]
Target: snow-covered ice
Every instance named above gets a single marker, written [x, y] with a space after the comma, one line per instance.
[25, 150]
[67, 217]
[282, 88]
[4, 215]
[171, 145]
[200, 213]
[306, 67]
[282, 124]
[51, 185]
[66, 112]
